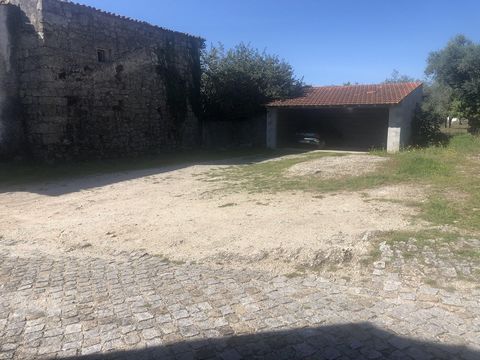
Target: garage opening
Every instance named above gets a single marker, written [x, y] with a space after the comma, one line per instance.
[351, 117]
[345, 128]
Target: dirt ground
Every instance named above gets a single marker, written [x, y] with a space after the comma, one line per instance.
[174, 213]
[333, 167]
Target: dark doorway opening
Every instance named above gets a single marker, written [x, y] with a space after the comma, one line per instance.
[344, 128]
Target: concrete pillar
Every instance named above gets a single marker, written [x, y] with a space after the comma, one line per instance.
[272, 125]
[400, 121]
[395, 125]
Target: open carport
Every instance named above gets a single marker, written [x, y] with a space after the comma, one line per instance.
[358, 117]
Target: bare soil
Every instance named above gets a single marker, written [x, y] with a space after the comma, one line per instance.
[332, 167]
[174, 213]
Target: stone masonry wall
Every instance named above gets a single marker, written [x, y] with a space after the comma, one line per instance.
[6, 74]
[99, 85]
[16, 35]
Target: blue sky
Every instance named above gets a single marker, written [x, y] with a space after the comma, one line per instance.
[327, 42]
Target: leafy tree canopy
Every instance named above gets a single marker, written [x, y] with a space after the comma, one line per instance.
[396, 77]
[438, 100]
[236, 84]
[457, 67]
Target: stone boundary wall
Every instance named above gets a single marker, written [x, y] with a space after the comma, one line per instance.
[31, 9]
[233, 134]
[5, 79]
[16, 33]
[94, 85]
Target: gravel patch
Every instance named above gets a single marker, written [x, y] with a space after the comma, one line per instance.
[332, 167]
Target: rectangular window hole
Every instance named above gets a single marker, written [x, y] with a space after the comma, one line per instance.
[101, 55]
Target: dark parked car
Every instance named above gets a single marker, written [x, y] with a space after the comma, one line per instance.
[309, 139]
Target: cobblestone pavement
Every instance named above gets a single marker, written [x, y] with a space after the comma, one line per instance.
[131, 306]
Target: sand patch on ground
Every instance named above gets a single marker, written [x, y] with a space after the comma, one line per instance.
[332, 167]
[174, 213]
[399, 192]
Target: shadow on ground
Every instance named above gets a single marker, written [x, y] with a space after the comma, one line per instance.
[72, 177]
[351, 341]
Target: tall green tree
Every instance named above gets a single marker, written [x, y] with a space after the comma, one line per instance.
[438, 100]
[457, 67]
[236, 84]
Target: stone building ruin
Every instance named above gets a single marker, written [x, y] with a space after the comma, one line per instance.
[77, 82]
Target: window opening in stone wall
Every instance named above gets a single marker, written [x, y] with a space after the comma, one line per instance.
[101, 55]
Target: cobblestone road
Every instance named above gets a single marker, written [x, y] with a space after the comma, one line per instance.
[131, 306]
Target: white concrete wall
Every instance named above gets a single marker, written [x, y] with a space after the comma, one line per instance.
[272, 125]
[400, 121]
[395, 123]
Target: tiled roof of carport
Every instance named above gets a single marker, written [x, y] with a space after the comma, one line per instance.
[325, 96]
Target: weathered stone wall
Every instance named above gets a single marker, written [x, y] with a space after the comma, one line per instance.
[16, 34]
[5, 75]
[231, 134]
[31, 10]
[99, 85]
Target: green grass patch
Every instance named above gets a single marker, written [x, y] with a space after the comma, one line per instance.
[270, 177]
[444, 170]
[465, 143]
[420, 238]
[413, 165]
[468, 253]
[439, 210]
[417, 165]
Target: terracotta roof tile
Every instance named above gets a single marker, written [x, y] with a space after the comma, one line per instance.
[380, 94]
